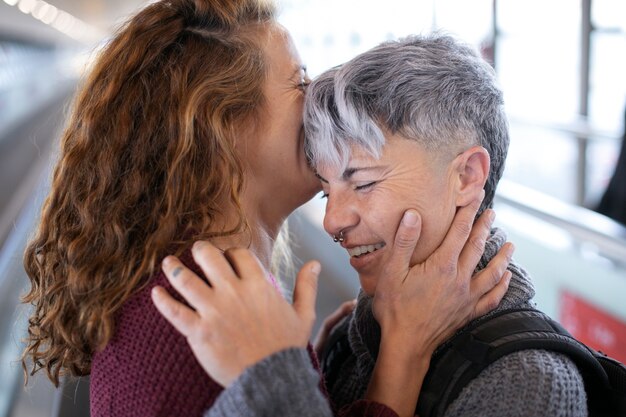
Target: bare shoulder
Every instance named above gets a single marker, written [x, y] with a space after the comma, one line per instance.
[528, 382]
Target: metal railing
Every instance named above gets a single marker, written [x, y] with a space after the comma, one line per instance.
[581, 131]
[608, 236]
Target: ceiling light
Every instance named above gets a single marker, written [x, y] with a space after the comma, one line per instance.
[39, 10]
[58, 19]
[50, 15]
[26, 6]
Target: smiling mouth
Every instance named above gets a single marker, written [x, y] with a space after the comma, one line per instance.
[359, 251]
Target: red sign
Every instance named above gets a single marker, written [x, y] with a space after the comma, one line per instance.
[593, 327]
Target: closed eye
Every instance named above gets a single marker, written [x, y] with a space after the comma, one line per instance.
[365, 186]
[304, 83]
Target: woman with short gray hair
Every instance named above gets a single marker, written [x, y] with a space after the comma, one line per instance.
[420, 123]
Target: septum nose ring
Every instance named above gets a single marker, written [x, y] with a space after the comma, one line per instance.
[338, 238]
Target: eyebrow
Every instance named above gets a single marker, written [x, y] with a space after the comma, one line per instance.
[319, 177]
[349, 172]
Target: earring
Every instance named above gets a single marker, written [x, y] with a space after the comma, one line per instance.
[338, 239]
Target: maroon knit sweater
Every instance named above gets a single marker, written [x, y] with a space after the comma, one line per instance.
[149, 370]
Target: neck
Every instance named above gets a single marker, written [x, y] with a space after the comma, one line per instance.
[265, 216]
[257, 239]
[263, 228]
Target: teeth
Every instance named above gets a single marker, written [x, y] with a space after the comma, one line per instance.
[361, 250]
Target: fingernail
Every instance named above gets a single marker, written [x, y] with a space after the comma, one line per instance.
[156, 292]
[511, 250]
[482, 195]
[197, 246]
[409, 218]
[167, 261]
[491, 216]
[316, 268]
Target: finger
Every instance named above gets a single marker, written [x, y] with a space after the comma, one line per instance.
[491, 300]
[213, 263]
[179, 315]
[245, 264]
[344, 310]
[489, 277]
[459, 231]
[406, 238]
[305, 292]
[330, 323]
[189, 285]
[475, 245]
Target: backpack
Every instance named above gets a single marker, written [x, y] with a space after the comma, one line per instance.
[486, 340]
[483, 342]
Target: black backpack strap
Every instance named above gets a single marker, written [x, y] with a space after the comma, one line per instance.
[485, 341]
[616, 373]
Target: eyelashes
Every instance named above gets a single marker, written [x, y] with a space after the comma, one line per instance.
[303, 84]
[363, 187]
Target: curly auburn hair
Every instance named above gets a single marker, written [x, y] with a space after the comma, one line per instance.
[147, 158]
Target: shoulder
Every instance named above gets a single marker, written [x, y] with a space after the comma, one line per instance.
[147, 367]
[528, 382]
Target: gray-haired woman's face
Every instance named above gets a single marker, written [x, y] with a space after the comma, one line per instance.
[367, 199]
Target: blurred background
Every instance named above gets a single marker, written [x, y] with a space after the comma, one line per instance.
[560, 63]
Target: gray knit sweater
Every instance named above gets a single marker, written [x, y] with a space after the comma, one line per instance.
[283, 384]
[525, 383]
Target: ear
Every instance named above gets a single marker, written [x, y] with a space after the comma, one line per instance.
[472, 171]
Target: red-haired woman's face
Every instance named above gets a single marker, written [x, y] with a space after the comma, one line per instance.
[275, 152]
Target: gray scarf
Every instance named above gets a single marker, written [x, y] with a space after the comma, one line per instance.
[364, 331]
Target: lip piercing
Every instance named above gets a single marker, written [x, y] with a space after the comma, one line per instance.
[339, 238]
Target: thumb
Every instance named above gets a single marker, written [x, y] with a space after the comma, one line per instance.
[406, 238]
[305, 293]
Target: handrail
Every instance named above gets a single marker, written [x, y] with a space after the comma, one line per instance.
[578, 128]
[12, 280]
[585, 225]
[583, 133]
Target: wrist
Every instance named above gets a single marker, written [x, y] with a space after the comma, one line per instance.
[397, 378]
[406, 347]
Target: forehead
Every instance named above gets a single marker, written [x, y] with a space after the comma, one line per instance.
[351, 156]
[280, 51]
[397, 153]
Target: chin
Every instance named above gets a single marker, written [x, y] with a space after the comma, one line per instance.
[368, 285]
[306, 190]
[309, 185]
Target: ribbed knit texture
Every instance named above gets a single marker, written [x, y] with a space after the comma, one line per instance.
[148, 369]
[527, 383]
[264, 380]
[285, 384]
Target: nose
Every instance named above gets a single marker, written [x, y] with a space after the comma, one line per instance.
[341, 214]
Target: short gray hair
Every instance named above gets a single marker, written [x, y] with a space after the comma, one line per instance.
[432, 89]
